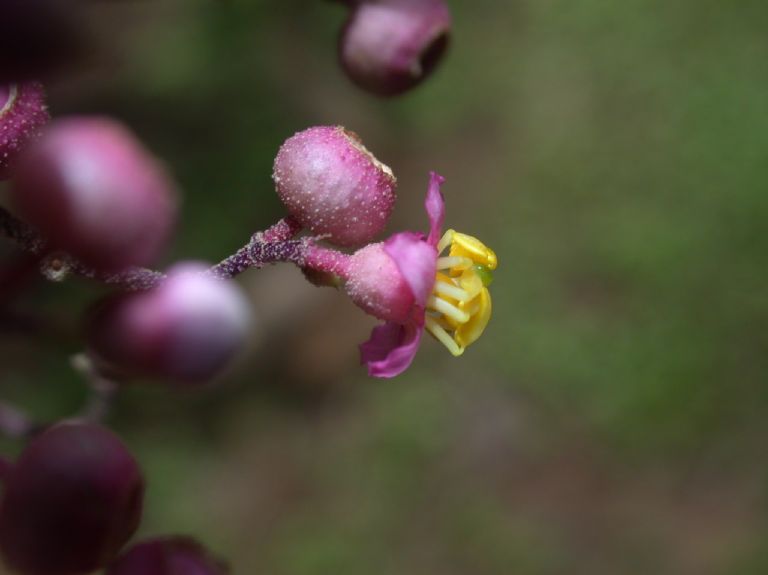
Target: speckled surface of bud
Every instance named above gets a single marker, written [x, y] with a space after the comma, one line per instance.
[375, 284]
[168, 556]
[389, 46]
[334, 186]
[93, 189]
[71, 501]
[22, 115]
[185, 331]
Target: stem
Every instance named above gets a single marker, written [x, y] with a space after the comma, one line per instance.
[102, 390]
[251, 255]
[24, 235]
[269, 246]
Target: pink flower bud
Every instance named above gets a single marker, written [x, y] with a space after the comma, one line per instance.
[167, 556]
[71, 501]
[333, 185]
[187, 329]
[389, 46]
[22, 115]
[94, 191]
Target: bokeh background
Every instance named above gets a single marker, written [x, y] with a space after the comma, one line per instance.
[613, 418]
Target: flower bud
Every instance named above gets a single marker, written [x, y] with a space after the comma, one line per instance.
[22, 115]
[94, 191]
[333, 185]
[389, 46]
[72, 500]
[186, 330]
[167, 556]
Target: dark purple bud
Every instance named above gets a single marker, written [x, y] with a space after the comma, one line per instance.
[37, 36]
[168, 556]
[389, 46]
[22, 115]
[91, 187]
[71, 501]
[334, 186]
[186, 330]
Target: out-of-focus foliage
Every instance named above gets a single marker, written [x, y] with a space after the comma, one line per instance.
[612, 419]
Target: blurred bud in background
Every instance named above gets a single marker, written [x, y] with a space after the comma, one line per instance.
[333, 185]
[186, 330]
[22, 115]
[38, 36]
[390, 46]
[72, 500]
[168, 556]
[94, 191]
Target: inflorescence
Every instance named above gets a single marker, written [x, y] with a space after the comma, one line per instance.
[88, 199]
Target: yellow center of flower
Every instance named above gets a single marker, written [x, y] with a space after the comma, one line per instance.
[460, 305]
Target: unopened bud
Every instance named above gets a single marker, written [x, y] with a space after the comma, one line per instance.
[334, 186]
[389, 46]
[94, 191]
[186, 330]
[72, 500]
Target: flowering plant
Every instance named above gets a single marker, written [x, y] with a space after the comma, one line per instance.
[88, 199]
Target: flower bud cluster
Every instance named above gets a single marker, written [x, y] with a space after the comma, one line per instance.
[92, 189]
[95, 200]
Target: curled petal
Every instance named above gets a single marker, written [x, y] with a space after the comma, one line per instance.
[416, 260]
[391, 348]
[435, 206]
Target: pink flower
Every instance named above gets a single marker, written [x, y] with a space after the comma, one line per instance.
[404, 282]
[394, 344]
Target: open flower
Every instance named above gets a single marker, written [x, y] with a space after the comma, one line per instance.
[407, 283]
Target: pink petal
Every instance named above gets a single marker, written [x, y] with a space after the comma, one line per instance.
[391, 348]
[435, 205]
[417, 261]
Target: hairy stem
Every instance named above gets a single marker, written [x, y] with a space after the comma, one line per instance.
[272, 245]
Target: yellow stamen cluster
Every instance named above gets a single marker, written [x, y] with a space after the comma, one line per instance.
[460, 305]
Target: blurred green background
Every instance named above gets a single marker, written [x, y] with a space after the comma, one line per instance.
[612, 420]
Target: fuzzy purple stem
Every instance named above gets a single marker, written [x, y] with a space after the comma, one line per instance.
[264, 247]
[251, 255]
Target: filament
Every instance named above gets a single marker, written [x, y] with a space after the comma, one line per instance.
[447, 309]
[442, 336]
